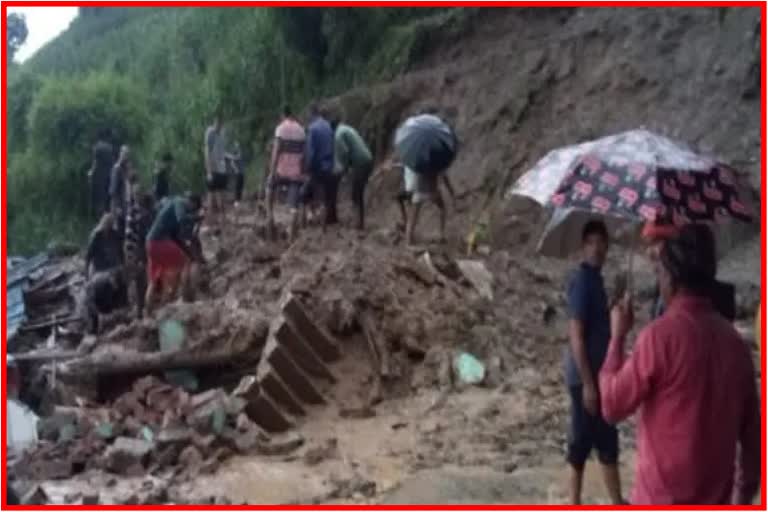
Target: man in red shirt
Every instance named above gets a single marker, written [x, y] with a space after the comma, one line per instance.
[691, 376]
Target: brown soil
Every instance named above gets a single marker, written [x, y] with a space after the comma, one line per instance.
[518, 83]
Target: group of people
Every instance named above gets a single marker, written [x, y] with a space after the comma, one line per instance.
[690, 375]
[144, 243]
[313, 160]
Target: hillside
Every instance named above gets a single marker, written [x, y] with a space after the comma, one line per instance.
[156, 76]
[397, 424]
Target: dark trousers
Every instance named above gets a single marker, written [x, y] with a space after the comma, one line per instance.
[329, 184]
[239, 185]
[359, 178]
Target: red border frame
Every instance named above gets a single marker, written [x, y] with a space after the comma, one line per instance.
[407, 3]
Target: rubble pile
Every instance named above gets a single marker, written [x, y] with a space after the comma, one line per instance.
[151, 428]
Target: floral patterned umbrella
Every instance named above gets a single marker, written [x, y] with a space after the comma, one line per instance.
[635, 176]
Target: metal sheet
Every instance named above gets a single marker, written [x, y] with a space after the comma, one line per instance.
[18, 277]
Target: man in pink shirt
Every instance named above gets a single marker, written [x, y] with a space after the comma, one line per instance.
[286, 168]
[691, 377]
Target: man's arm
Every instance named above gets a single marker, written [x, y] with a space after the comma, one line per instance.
[578, 304]
[625, 384]
[89, 254]
[275, 155]
[747, 478]
[115, 182]
[309, 151]
[579, 350]
[342, 151]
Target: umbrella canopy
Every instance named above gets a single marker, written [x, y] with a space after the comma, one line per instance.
[426, 144]
[640, 147]
[626, 179]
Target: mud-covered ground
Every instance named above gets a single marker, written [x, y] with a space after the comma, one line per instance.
[426, 437]
[515, 83]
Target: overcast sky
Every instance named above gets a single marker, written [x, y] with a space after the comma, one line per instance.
[43, 23]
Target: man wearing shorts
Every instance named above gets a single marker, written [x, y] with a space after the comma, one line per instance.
[421, 188]
[354, 158]
[590, 333]
[214, 148]
[169, 245]
[286, 169]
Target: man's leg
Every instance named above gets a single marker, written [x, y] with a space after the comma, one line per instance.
[239, 185]
[359, 183]
[413, 219]
[579, 443]
[607, 444]
[295, 203]
[140, 280]
[172, 280]
[401, 199]
[331, 188]
[438, 199]
[270, 200]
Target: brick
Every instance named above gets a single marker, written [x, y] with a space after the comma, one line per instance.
[320, 341]
[301, 351]
[291, 374]
[127, 452]
[279, 390]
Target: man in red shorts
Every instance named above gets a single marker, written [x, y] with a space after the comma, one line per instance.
[169, 245]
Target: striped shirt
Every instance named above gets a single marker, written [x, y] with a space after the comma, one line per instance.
[289, 148]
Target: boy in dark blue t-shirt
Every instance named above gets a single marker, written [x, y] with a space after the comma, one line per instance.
[589, 332]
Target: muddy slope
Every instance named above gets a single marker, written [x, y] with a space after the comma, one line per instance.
[524, 81]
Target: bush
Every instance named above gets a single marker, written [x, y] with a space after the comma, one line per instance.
[65, 120]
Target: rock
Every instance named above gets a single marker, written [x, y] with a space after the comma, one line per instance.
[548, 314]
[91, 499]
[174, 436]
[50, 428]
[478, 275]
[127, 452]
[106, 430]
[318, 454]
[468, 369]
[167, 456]
[191, 459]
[495, 371]
[35, 496]
[281, 444]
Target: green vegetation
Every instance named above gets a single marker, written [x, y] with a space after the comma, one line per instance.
[155, 76]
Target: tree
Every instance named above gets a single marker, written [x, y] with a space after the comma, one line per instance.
[302, 29]
[16, 33]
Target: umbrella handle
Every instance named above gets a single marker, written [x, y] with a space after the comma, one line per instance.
[630, 265]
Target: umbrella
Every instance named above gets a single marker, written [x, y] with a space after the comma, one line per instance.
[426, 144]
[632, 177]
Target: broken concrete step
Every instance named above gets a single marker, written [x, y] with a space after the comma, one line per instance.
[261, 408]
[320, 341]
[270, 381]
[301, 351]
[290, 372]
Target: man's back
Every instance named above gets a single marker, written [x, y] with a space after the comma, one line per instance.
[351, 149]
[701, 400]
[290, 144]
[320, 145]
